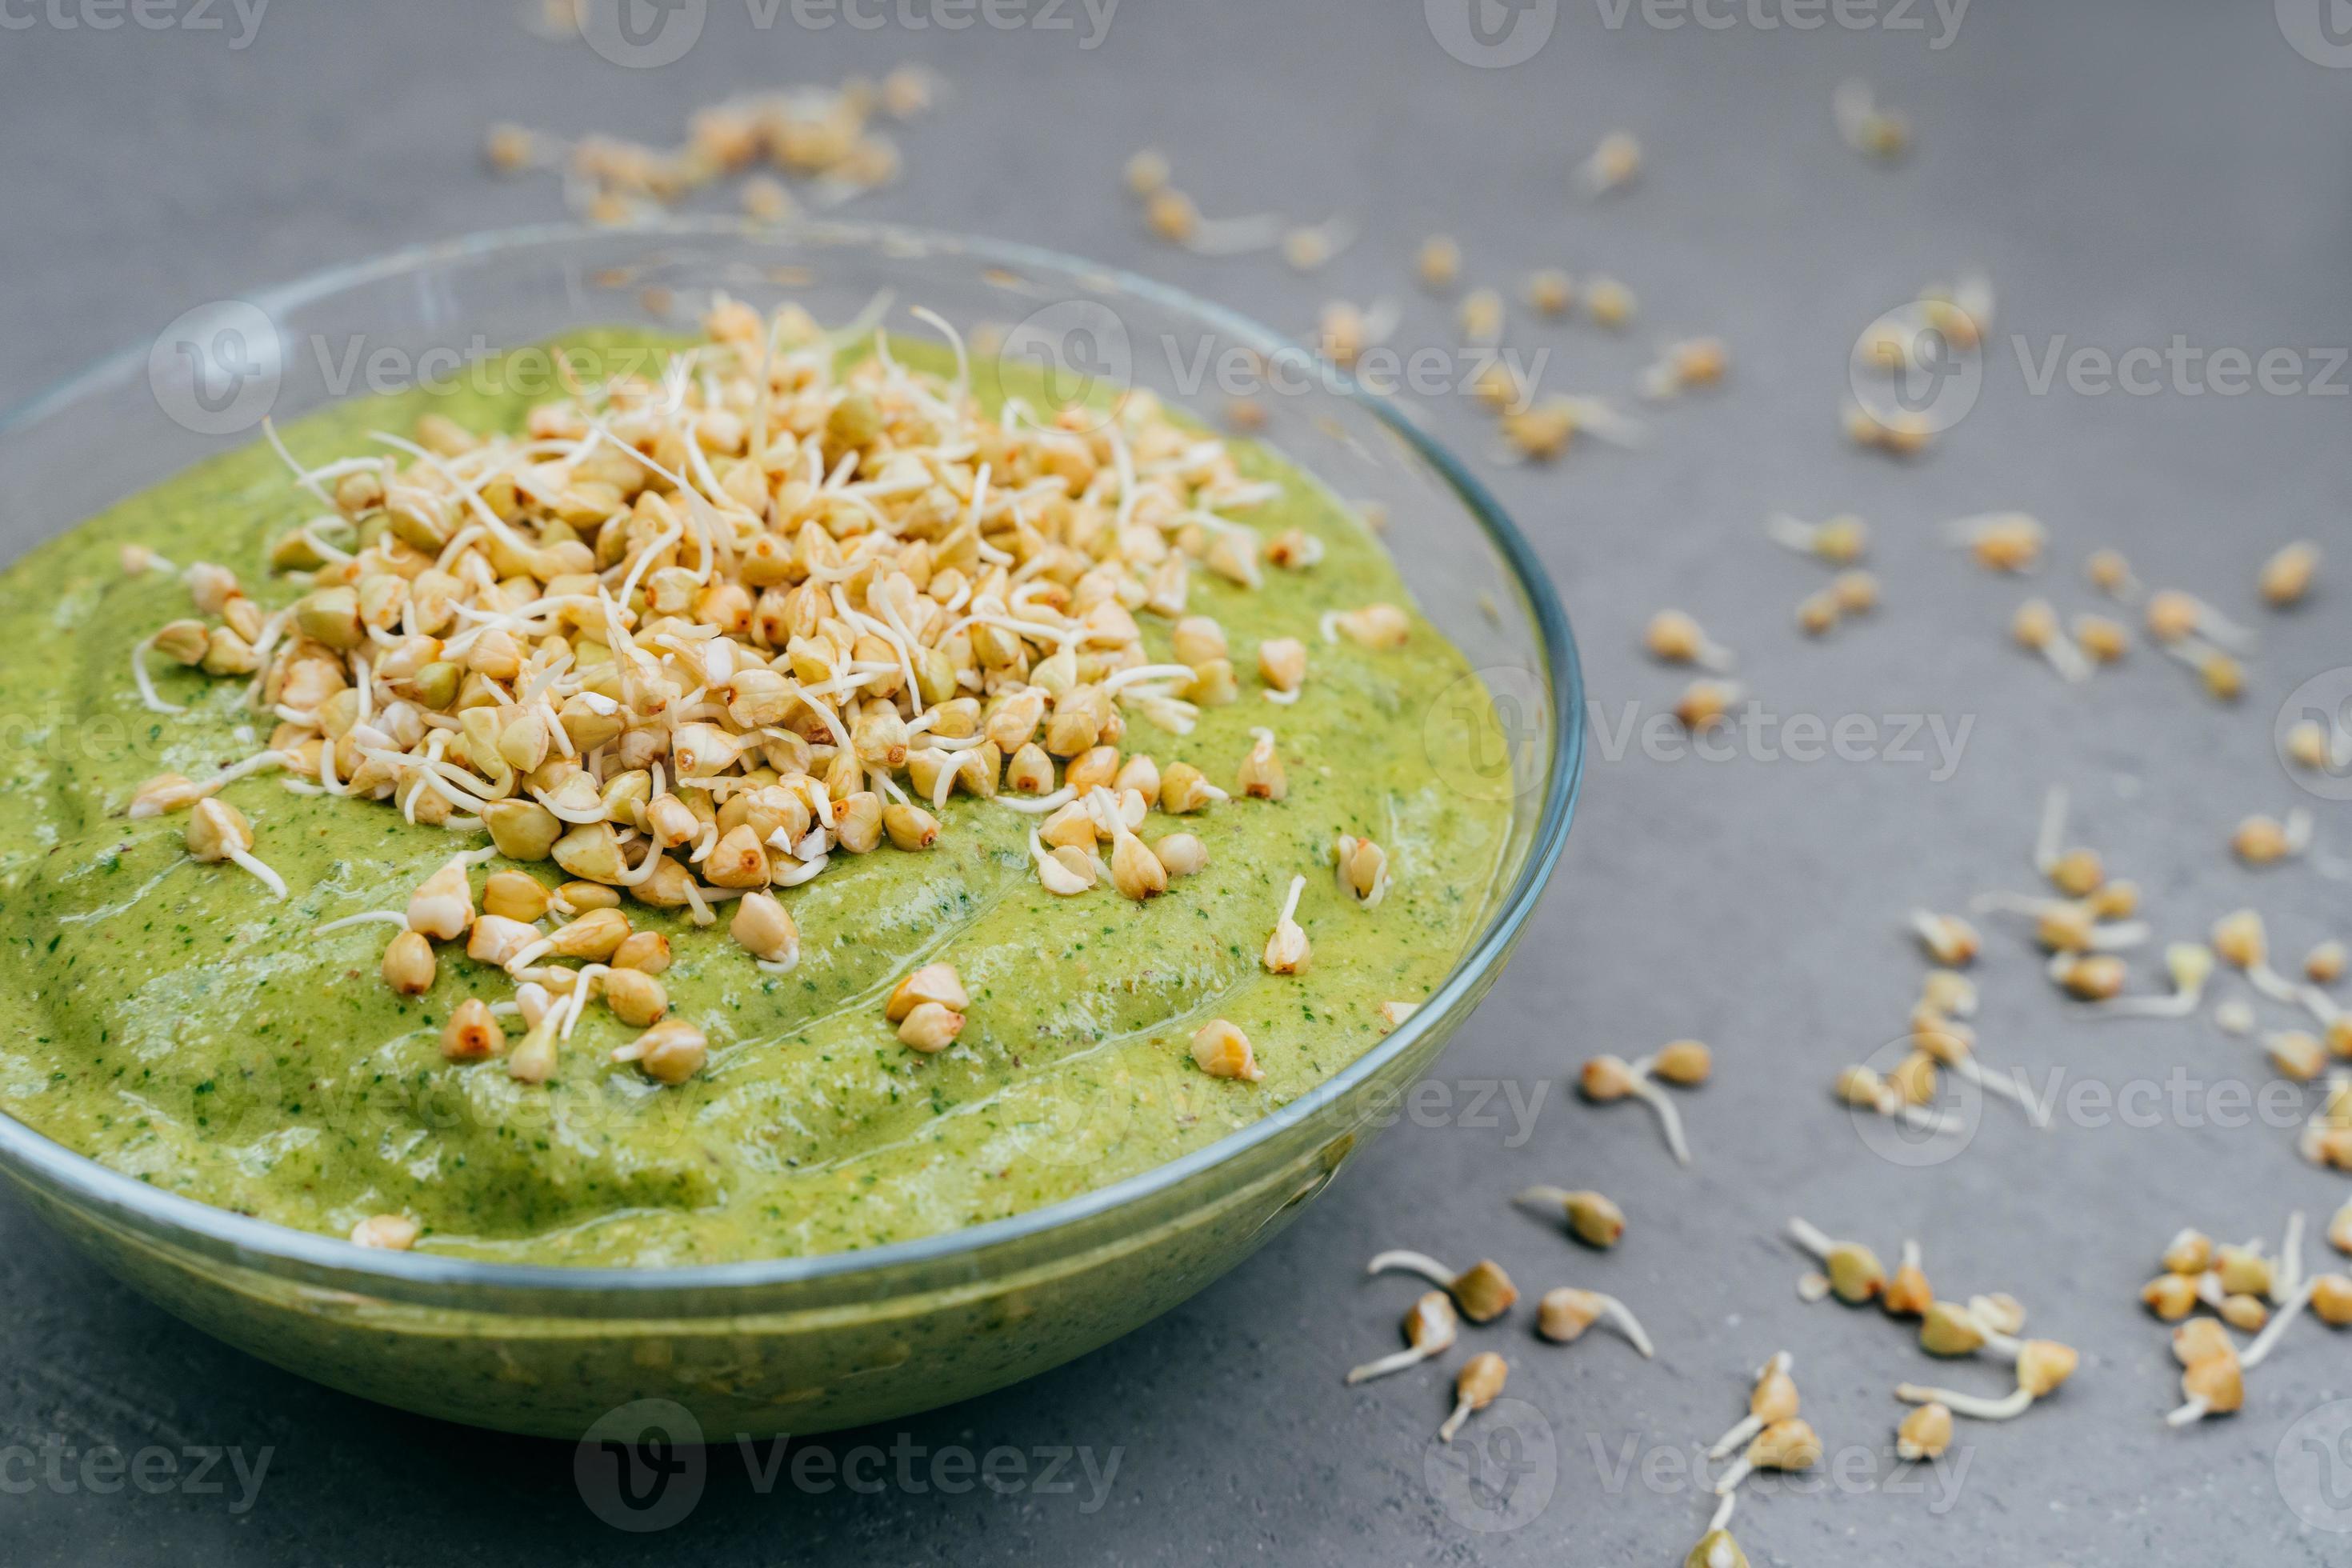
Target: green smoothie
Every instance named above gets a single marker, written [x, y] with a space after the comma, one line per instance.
[178, 1023]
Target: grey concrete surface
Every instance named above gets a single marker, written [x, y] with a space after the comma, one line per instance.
[2127, 171]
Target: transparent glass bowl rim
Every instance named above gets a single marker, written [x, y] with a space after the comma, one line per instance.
[257, 1240]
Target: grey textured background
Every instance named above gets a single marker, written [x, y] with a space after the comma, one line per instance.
[2127, 171]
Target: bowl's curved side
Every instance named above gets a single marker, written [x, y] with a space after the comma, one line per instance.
[759, 1373]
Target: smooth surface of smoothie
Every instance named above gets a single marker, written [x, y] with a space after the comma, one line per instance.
[178, 1023]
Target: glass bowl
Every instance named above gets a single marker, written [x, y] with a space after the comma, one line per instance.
[800, 1344]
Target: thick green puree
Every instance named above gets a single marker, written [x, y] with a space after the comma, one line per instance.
[175, 1021]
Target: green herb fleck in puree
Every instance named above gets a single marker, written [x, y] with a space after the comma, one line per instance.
[176, 1024]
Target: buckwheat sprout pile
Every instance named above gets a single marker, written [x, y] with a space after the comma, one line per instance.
[1950, 1044]
[1947, 318]
[1988, 1324]
[1674, 637]
[2193, 633]
[693, 639]
[823, 136]
[1484, 1294]
[2105, 639]
[1940, 1039]
[2089, 922]
[1901, 1096]
[2249, 1292]
[1533, 429]
[2243, 942]
[1838, 542]
[1173, 216]
[2084, 924]
[2066, 925]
